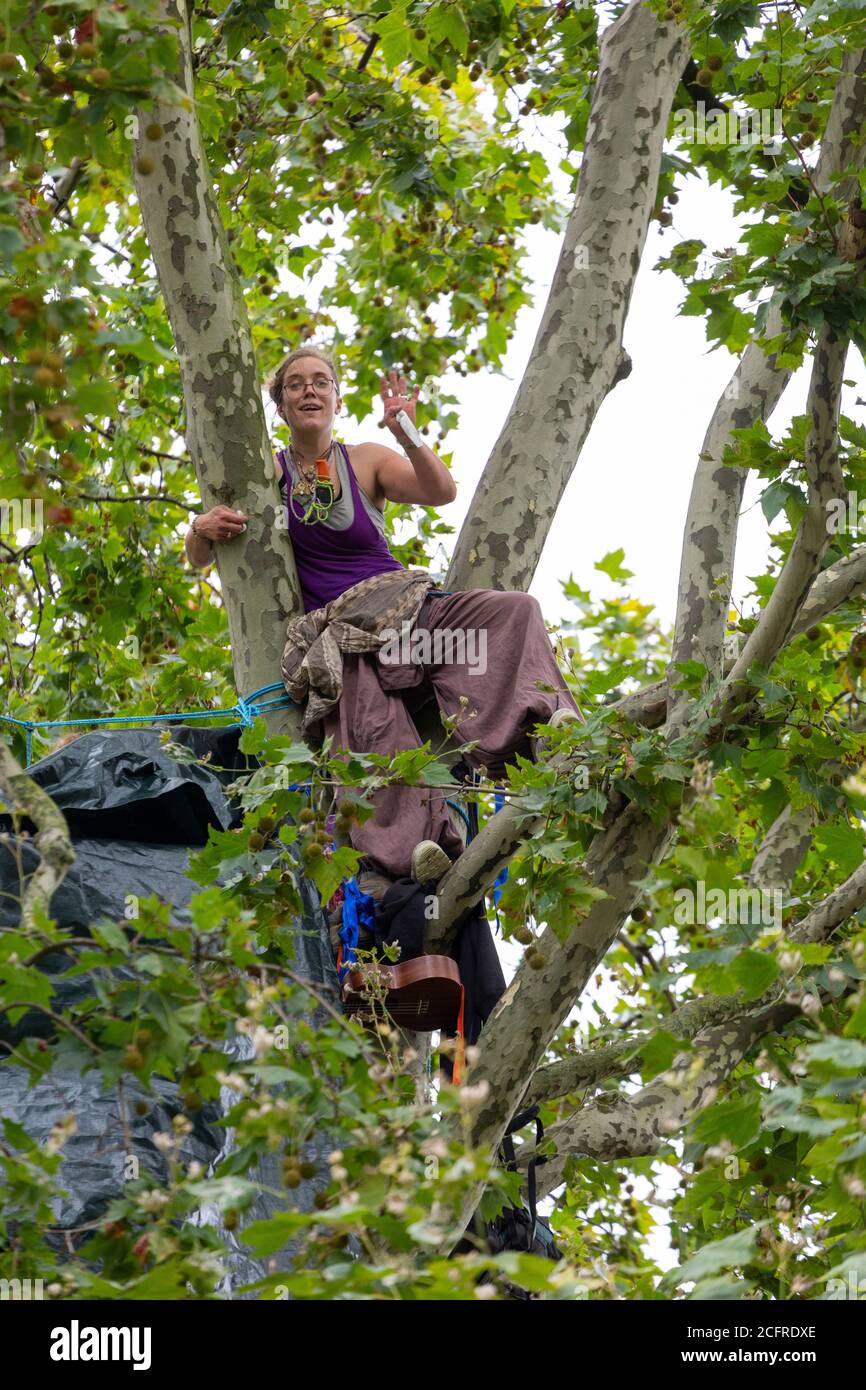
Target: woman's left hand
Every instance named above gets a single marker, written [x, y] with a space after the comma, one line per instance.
[395, 398]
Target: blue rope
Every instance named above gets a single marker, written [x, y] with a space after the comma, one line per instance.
[464, 816]
[246, 710]
[498, 803]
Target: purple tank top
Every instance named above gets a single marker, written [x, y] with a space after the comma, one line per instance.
[332, 560]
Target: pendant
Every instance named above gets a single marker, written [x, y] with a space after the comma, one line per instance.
[315, 495]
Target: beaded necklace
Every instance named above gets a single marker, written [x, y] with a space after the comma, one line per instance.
[313, 491]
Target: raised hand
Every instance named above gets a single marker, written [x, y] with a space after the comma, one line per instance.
[396, 397]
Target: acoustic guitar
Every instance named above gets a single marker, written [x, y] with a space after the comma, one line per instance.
[420, 995]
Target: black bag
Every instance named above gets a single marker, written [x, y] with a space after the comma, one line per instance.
[516, 1228]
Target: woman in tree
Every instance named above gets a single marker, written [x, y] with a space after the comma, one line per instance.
[342, 655]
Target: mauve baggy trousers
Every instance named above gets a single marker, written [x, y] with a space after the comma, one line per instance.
[505, 702]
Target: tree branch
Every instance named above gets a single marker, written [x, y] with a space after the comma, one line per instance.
[52, 839]
[619, 1126]
[833, 587]
[774, 867]
[581, 1070]
[783, 847]
[527, 1017]
[578, 355]
[631, 1126]
[825, 481]
[710, 536]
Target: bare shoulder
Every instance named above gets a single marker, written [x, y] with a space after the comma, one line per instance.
[366, 460]
[370, 453]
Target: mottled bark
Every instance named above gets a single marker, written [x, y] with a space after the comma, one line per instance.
[577, 359]
[537, 1001]
[226, 431]
[825, 482]
[669, 1099]
[25, 798]
[778, 858]
[627, 1127]
[471, 876]
[581, 1070]
[578, 356]
[619, 1126]
[833, 587]
[710, 536]
[835, 909]
[709, 540]
[782, 849]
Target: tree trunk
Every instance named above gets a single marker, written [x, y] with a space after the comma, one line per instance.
[226, 431]
[578, 357]
[754, 391]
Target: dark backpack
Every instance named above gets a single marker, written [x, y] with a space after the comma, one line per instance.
[516, 1228]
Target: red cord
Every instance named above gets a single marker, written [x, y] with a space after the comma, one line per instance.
[460, 1048]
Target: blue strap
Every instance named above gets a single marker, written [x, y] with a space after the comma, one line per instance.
[246, 710]
[499, 802]
[464, 816]
[359, 910]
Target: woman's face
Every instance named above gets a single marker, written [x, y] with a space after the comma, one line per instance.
[310, 398]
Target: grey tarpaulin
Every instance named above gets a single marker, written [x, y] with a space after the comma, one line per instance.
[135, 814]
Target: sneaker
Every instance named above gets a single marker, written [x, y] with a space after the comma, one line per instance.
[539, 744]
[429, 862]
[564, 715]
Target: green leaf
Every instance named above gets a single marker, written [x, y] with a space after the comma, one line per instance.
[658, 1052]
[846, 1053]
[736, 1249]
[612, 566]
[446, 21]
[735, 1120]
[111, 935]
[774, 497]
[784, 1108]
[721, 1288]
[438, 775]
[843, 845]
[766, 238]
[754, 972]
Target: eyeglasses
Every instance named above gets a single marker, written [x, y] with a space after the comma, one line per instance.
[320, 384]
